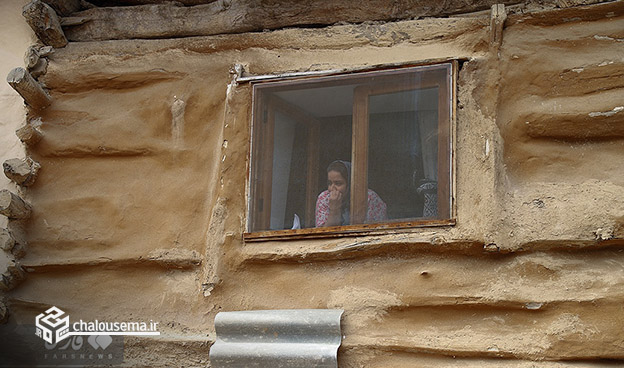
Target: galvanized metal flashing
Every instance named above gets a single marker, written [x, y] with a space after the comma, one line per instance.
[290, 338]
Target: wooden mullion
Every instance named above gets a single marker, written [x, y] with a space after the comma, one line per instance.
[359, 156]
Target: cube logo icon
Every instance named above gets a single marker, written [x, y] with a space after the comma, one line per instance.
[52, 326]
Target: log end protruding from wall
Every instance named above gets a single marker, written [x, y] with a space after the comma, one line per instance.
[45, 23]
[12, 275]
[31, 91]
[30, 134]
[13, 207]
[11, 243]
[23, 172]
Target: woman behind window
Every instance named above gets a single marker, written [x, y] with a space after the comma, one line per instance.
[333, 204]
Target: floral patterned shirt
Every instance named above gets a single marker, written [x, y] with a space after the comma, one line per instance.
[376, 209]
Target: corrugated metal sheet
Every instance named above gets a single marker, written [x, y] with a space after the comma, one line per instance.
[277, 338]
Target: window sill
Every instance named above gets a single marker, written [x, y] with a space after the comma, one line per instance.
[341, 231]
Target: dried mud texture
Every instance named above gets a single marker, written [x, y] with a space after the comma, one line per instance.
[140, 208]
[562, 124]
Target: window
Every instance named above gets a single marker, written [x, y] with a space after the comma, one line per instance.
[385, 136]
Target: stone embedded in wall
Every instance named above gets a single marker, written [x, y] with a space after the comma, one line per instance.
[30, 134]
[12, 206]
[31, 91]
[22, 172]
[45, 23]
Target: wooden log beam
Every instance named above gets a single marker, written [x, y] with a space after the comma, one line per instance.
[145, 2]
[221, 17]
[45, 23]
[12, 206]
[64, 7]
[31, 91]
[22, 172]
[30, 134]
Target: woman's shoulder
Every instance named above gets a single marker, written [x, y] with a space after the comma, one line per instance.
[373, 194]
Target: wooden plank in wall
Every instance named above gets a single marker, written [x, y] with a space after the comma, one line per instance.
[170, 20]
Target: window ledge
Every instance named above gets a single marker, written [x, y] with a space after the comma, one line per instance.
[404, 244]
[341, 231]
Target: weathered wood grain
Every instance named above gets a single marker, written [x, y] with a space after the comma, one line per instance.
[22, 172]
[45, 23]
[12, 275]
[12, 206]
[34, 95]
[64, 7]
[29, 134]
[169, 20]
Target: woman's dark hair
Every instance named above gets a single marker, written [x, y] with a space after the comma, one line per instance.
[341, 168]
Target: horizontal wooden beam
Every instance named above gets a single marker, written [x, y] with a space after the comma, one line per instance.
[170, 20]
[145, 2]
[175, 259]
[64, 7]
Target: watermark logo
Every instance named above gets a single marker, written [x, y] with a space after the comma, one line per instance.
[53, 326]
[99, 341]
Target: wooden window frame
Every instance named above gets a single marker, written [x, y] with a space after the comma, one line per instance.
[261, 174]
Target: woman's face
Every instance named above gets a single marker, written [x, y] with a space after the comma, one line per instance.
[335, 181]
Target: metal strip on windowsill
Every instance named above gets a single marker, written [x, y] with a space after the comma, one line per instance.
[277, 338]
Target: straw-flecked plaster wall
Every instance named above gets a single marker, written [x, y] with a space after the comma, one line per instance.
[137, 218]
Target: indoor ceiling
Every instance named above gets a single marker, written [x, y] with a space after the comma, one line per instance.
[338, 100]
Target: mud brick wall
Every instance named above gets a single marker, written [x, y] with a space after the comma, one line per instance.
[140, 205]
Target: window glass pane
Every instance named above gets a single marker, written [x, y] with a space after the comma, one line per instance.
[403, 152]
[309, 128]
[363, 148]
